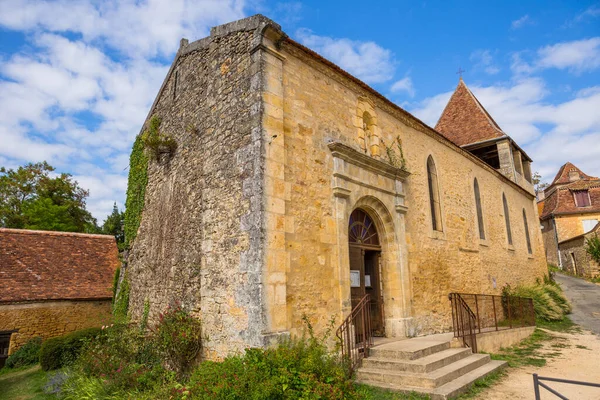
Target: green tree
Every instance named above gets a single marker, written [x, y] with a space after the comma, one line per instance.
[114, 224]
[592, 246]
[538, 185]
[34, 197]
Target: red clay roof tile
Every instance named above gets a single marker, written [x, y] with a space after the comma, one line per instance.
[465, 121]
[44, 265]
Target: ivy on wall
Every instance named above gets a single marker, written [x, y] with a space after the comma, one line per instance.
[395, 153]
[121, 306]
[136, 189]
[157, 143]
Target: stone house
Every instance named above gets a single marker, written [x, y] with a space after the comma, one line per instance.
[571, 208]
[574, 257]
[53, 283]
[295, 189]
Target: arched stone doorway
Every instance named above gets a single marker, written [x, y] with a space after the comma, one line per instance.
[365, 266]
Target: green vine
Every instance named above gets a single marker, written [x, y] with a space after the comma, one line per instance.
[136, 189]
[155, 142]
[395, 155]
[121, 306]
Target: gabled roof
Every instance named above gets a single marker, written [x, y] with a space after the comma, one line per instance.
[562, 176]
[45, 265]
[465, 121]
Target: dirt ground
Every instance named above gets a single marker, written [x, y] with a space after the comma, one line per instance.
[579, 360]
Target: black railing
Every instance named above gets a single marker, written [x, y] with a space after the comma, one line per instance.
[463, 321]
[355, 334]
[537, 384]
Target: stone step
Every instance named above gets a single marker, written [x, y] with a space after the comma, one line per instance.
[449, 390]
[432, 379]
[421, 365]
[409, 349]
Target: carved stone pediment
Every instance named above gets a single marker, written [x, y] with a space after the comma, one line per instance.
[352, 156]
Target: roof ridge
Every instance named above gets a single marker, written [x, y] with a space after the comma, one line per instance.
[54, 233]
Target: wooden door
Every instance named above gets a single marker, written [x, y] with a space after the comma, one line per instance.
[373, 288]
[357, 268]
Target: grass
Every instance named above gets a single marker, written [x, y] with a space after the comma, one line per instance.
[25, 384]
[482, 384]
[579, 346]
[565, 325]
[374, 393]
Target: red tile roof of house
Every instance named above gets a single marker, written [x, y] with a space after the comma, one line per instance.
[464, 120]
[45, 265]
[562, 201]
[562, 176]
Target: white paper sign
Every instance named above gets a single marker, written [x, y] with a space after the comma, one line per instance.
[354, 279]
[368, 280]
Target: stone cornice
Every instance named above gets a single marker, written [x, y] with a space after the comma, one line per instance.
[364, 161]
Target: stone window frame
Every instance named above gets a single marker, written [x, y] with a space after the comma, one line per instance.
[527, 236]
[479, 211]
[366, 107]
[506, 213]
[434, 196]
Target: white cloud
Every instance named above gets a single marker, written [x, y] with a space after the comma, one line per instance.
[404, 85]
[519, 23]
[586, 15]
[93, 57]
[483, 60]
[577, 56]
[550, 133]
[136, 28]
[365, 60]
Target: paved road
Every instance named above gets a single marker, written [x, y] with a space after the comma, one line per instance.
[585, 298]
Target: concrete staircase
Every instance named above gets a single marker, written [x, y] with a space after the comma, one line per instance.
[430, 365]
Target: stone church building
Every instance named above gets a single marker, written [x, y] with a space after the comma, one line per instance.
[295, 189]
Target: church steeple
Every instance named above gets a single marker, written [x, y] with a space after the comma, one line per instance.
[465, 121]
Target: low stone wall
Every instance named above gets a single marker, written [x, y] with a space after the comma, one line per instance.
[491, 342]
[49, 319]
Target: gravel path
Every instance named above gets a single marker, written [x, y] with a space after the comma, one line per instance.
[579, 360]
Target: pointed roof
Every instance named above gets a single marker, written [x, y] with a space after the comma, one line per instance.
[562, 177]
[465, 121]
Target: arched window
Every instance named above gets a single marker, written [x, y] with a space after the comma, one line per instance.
[479, 211]
[361, 229]
[526, 232]
[434, 195]
[507, 220]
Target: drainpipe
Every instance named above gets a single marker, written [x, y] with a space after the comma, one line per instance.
[556, 239]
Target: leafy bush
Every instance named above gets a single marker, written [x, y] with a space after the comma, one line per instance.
[295, 369]
[63, 350]
[549, 302]
[28, 354]
[179, 338]
[592, 246]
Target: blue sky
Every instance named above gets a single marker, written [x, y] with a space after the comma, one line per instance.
[77, 78]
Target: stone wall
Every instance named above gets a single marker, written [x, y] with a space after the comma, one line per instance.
[319, 107]
[201, 237]
[576, 260]
[49, 319]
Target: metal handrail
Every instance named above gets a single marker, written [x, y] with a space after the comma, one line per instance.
[537, 384]
[463, 321]
[355, 334]
[494, 312]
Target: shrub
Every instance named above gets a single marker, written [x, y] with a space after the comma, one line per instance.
[592, 246]
[301, 368]
[28, 354]
[63, 350]
[179, 337]
[549, 302]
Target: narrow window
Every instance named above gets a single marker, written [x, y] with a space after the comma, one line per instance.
[434, 195]
[479, 211]
[582, 198]
[527, 232]
[507, 220]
